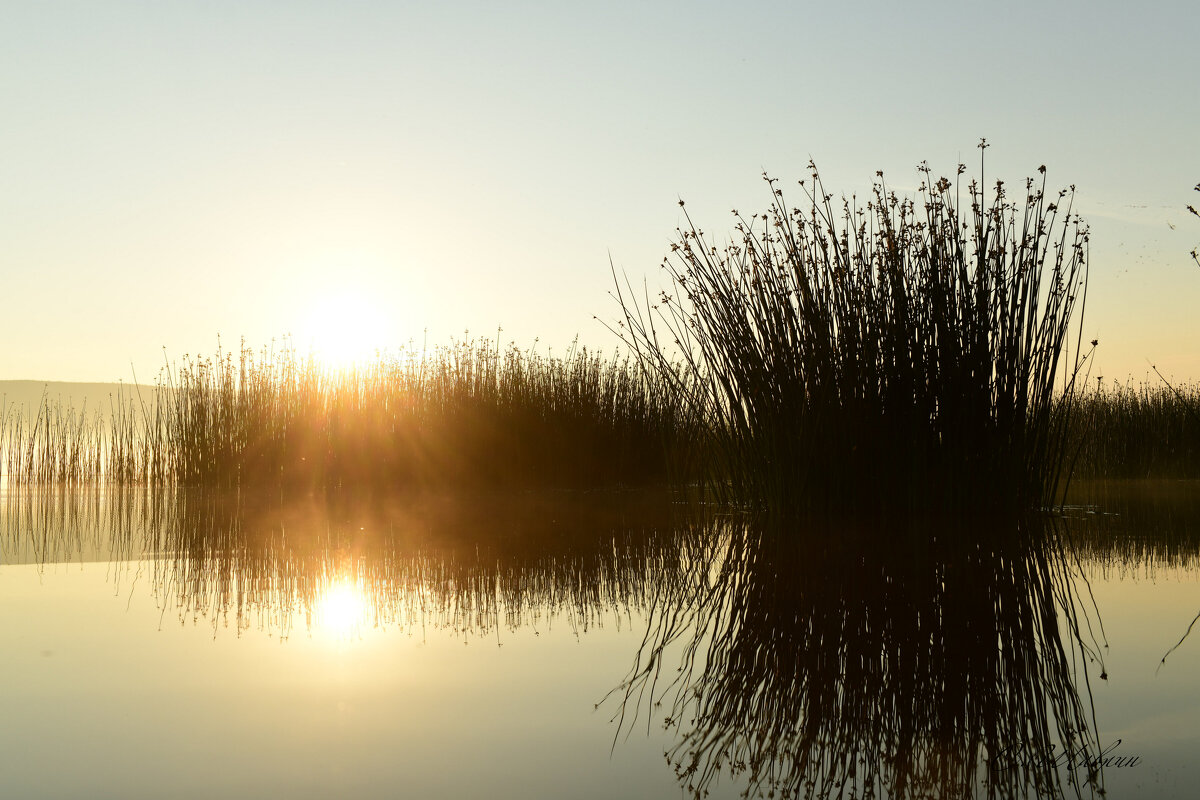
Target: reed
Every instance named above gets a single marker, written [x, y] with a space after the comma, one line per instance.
[466, 415]
[54, 443]
[1148, 430]
[906, 355]
[1192, 210]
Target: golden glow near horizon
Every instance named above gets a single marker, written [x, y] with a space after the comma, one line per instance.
[287, 149]
[345, 327]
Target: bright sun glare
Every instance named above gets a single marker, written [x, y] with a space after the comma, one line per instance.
[341, 611]
[345, 327]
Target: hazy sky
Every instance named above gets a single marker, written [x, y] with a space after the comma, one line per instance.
[174, 171]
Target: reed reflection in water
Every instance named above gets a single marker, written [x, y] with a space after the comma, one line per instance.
[1135, 527]
[923, 663]
[908, 662]
[343, 564]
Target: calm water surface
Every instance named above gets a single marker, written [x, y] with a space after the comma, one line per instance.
[198, 646]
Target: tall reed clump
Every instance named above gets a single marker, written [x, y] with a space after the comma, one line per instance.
[470, 414]
[901, 356]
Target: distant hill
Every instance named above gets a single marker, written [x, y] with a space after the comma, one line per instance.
[15, 395]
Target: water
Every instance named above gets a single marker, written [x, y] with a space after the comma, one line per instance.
[192, 646]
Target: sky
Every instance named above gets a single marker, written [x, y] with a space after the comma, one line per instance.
[374, 173]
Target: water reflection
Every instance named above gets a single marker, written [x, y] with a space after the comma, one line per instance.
[342, 609]
[345, 564]
[1132, 528]
[943, 663]
[919, 661]
[54, 525]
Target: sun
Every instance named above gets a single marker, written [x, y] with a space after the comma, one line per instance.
[344, 328]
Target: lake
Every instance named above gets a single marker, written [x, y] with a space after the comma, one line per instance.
[197, 645]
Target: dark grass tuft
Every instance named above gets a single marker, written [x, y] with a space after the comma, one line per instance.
[902, 355]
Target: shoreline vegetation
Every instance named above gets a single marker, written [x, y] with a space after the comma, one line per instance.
[898, 355]
[1138, 431]
[467, 415]
[1121, 432]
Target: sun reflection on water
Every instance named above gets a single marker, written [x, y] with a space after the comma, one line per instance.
[341, 611]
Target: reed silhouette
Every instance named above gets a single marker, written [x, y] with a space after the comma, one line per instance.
[52, 443]
[1148, 430]
[1192, 210]
[901, 356]
[469, 416]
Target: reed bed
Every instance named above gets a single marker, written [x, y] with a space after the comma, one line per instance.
[905, 355]
[1149, 430]
[54, 443]
[466, 415]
